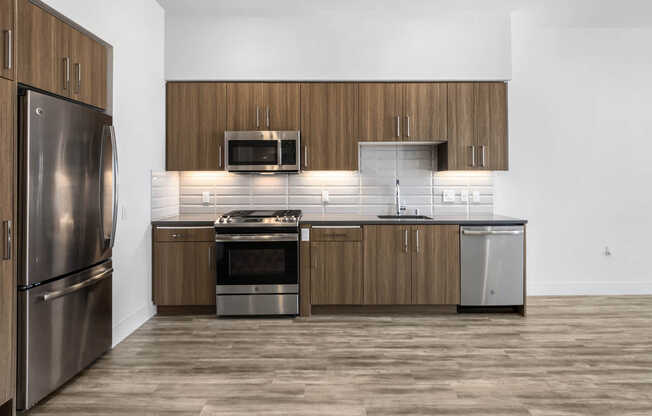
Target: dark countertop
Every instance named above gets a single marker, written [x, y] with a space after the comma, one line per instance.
[198, 220]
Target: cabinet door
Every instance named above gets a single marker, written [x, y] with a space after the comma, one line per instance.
[387, 265]
[425, 107]
[8, 39]
[336, 273]
[195, 124]
[280, 106]
[436, 265]
[381, 105]
[184, 273]
[491, 125]
[244, 101]
[328, 126]
[36, 48]
[81, 70]
[63, 64]
[460, 150]
[98, 78]
[7, 253]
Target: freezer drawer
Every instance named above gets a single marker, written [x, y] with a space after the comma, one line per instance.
[492, 265]
[240, 305]
[63, 327]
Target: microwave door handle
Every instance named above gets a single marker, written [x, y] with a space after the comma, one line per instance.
[278, 146]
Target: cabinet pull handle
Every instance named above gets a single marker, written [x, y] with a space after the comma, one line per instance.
[7, 230]
[472, 164]
[257, 117]
[66, 73]
[78, 69]
[417, 241]
[305, 156]
[267, 111]
[398, 126]
[483, 147]
[407, 125]
[210, 257]
[220, 156]
[406, 240]
[8, 49]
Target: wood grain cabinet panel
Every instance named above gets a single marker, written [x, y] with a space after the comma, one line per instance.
[387, 265]
[99, 75]
[477, 127]
[36, 54]
[329, 128]
[280, 106]
[176, 234]
[425, 112]
[336, 234]
[184, 273]
[336, 273]
[7, 39]
[381, 107]
[7, 253]
[195, 125]
[244, 101]
[436, 265]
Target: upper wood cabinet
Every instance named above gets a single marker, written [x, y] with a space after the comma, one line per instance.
[8, 39]
[195, 125]
[328, 126]
[262, 106]
[54, 56]
[7, 252]
[403, 111]
[184, 272]
[436, 265]
[477, 127]
[411, 265]
[387, 265]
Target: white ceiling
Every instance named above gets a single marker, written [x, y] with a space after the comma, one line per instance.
[598, 13]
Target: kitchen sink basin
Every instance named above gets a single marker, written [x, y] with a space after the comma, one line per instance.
[404, 217]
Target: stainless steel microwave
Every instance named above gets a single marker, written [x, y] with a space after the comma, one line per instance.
[262, 151]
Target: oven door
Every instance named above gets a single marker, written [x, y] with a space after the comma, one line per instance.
[257, 263]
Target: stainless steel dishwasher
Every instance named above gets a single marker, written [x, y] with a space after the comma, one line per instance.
[492, 265]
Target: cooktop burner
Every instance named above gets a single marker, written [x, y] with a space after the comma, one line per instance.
[264, 213]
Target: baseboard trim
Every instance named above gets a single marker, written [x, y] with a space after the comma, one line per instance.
[636, 287]
[131, 323]
[382, 309]
[186, 310]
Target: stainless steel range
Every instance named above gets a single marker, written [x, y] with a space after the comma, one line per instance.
[257, 262]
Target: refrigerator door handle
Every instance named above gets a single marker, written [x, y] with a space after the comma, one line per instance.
[76, 287]
[115, 186]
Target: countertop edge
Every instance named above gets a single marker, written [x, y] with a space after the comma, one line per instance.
[335, 222]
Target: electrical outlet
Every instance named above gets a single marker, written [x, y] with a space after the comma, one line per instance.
[464, 196]
[476, 196]
[324, 196]
[206, 197]
[449, 195]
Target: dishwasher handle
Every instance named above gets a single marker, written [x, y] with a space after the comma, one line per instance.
[489, 232]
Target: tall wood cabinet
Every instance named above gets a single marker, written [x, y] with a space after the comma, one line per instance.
[8, 39]
[195, 125]
[477, 127]
[411, 265]
[7, 246]
[263, 106]
[54, 56]
[329, 127]
[183, 266]
[403, 111]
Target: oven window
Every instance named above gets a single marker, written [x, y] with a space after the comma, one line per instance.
[257, 263]
[253, 152]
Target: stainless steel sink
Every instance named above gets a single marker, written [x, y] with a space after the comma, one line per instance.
[404, 217]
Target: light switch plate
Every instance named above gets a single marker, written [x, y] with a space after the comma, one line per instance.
[305, 234]
[464, 196]
[324, 196]
[206, 197]
[476, 196]
[449, 195]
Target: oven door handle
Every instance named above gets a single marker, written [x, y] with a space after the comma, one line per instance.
[249, 238]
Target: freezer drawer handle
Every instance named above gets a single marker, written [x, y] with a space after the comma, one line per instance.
[76, 287]
[473, 232]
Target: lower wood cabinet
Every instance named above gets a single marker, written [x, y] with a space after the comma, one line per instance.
[336, 273]
[183, 271]
[414, 264]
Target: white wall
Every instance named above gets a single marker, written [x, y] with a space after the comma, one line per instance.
[135, 28]
[319, 45]
[580, 123]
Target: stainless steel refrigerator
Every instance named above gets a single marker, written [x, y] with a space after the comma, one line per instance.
[68, 199]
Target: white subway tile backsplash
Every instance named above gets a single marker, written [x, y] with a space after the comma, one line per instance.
[368, 191]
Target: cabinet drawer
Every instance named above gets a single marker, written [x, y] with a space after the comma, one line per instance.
[163, 234]
[336, 233]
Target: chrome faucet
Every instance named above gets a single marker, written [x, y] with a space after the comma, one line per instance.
[399, 208]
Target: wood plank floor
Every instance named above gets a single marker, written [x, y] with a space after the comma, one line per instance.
[570, 356]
